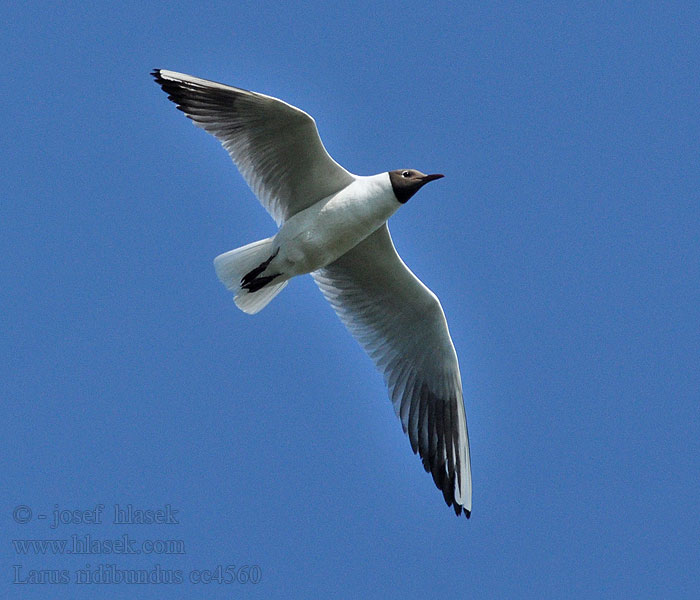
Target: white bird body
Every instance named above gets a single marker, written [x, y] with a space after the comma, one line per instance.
[333, 224]
[322, 233]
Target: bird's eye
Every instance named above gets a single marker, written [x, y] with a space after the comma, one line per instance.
[406, 174]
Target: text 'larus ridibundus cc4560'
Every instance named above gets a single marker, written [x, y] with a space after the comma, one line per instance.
[332, 224]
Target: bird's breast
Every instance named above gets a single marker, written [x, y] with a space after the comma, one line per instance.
[322, 233]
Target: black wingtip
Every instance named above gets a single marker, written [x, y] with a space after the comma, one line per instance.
[155, 73]
[459, 509]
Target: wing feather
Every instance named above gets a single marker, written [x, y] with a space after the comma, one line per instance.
[275, 146]
[402, 327]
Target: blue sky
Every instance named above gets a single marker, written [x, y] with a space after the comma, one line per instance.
[563, 244]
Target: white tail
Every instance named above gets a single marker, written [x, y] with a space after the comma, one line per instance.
[231, 267]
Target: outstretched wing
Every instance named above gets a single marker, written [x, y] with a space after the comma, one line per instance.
[275, 146]
[401, 325]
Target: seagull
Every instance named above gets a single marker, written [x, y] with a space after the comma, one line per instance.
[333, 225]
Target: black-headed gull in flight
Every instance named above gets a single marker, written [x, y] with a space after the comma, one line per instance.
[333, 225]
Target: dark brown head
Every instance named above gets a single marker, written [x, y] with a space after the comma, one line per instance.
[406, 182]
